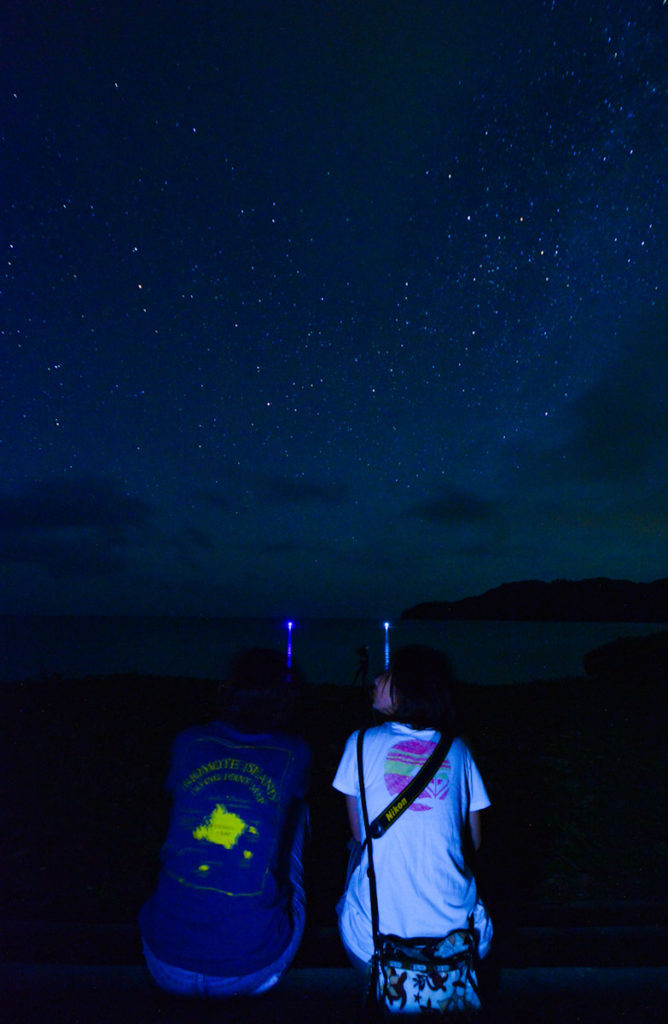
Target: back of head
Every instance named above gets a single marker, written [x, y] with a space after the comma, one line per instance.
[260, 691]
[423, 685]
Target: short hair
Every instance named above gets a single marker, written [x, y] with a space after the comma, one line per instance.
[260, 692]
[423, 684]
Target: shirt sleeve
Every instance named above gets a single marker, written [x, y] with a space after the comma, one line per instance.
[346, 779]
[478, 798]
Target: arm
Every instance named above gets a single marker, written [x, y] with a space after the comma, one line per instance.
[475, 828]
[353, 817]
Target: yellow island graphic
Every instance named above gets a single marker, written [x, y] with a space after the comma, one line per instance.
[224, 828]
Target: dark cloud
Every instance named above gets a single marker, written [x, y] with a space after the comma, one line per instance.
[62, 553]
[615, 431]
[214, 496]
[454, 508]
[281, 547]
[299, 490]
[621, 423]
[70, 526]
[84, 503]
[192, 535]
[242, 485]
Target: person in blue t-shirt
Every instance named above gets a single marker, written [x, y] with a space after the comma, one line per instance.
[228, 912]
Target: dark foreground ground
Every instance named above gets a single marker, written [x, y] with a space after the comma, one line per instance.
[117, 995]
[574, 863]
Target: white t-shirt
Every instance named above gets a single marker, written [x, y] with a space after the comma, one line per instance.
[424, 886]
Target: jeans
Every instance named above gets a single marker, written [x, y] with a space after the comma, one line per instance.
[179, 981]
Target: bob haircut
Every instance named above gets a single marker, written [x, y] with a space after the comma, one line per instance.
[422, 685]
[260, 692]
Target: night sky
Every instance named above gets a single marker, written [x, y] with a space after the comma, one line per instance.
[329, 307]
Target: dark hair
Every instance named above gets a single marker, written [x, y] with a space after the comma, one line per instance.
[423, 684]
[259, 694]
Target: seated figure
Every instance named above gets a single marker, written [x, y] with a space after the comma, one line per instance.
[227, 916]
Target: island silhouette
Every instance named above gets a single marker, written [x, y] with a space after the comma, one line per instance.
[589, 600]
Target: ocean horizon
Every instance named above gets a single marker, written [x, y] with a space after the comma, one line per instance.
[483, 652]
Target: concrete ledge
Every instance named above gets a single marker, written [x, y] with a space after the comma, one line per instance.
[592, 980]
[116, 994]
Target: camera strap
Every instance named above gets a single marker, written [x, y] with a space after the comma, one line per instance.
[405, 798]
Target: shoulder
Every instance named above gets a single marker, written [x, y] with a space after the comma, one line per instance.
[351, 743]
[460, 750]
[459, 747]
[290, 741]
[374, 736]
[294, 747]
[370, 736]
[290, 745]
[300, 750]
[190, 736]
[384, 731]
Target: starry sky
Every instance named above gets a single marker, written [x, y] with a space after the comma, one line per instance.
[327, 307]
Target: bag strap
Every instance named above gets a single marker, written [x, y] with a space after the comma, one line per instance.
[402, 802]
[370, 870]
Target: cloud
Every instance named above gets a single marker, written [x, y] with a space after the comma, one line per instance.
[195, 537]
[218, 498]
[619, 427]
[454, 508]
[81, 554]
[84, 503]
[289, 490]
[611, 442]
[70, 526]
[298, 490]
[618, 432]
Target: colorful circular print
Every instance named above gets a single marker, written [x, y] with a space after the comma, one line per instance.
[403, 761]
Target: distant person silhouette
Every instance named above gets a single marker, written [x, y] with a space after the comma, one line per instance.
[363, 667]
[227, 916]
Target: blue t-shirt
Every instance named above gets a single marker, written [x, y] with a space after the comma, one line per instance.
[222, 904]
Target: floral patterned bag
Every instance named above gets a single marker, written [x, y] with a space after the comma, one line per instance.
[428, 975]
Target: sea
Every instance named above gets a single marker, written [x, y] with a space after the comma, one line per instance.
[325, 650]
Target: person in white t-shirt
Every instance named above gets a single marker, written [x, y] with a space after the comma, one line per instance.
[425, 884]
